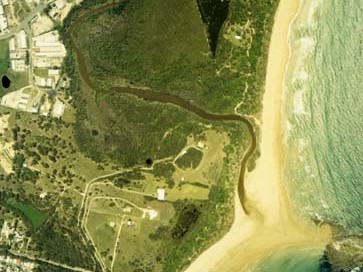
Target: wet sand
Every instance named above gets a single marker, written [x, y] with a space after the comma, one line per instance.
[271, 225]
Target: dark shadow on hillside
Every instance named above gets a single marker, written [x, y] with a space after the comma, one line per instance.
[214, 13]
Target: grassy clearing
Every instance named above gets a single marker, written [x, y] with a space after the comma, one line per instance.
[52, 153]
[191, 159]
[103, 229]
[18, 79]
[35, 216]
[136, 249]
[41, 72]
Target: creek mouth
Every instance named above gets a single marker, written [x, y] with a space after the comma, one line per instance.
[153, 96]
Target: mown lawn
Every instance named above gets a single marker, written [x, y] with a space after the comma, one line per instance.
[18, 79]
[35, 216]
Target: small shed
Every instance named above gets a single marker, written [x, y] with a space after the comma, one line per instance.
[160, 194]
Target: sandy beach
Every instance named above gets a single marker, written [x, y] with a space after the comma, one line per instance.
[272, 226]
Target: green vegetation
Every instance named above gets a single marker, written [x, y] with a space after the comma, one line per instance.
[18, 79]
[45, 147]
[145, 45]
[63, 244]
[186, 219]
[125, 128]
[22, 172]
[123, 125]
[166, 171]
[119, 54]
[190, 159]
[41, 267]
[35, 216]
[214, 220]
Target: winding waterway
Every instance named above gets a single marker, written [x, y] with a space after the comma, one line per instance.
[153, 96]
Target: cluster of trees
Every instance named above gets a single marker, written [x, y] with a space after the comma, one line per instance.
[41, 149]
[21, 171]
[191, 159]
[249, 61]
[208, 220]
[61, 242]
[165, 170]
[121, 51]
[187, 217]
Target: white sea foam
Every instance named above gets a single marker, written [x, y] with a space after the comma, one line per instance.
[314, 5]
[303, 75]
[299, 103]
[307, 44]
[286, 132]
[323, 88]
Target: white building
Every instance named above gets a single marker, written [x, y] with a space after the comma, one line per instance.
[48, 45]
[160, 194]
[18, 65]
[5, 2]
[58, 108]
[12, 45]
[21, 40]
[59, 4]
[1, 10]
[3, 23]
[15, 55]
[53, 72]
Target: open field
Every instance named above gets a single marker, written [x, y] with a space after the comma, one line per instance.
[104, 228]
[121, 231]
[35, 216]
[190, 159]
[18, 79]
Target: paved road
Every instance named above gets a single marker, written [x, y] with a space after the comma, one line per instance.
[48, 261]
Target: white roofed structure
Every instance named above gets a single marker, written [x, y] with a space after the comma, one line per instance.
[59, 4]
[12, 44]
[3, 23]
[21, 40]
[48, 45]
[53, 72]
[160, 194]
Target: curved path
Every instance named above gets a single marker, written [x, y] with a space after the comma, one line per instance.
[160, 97]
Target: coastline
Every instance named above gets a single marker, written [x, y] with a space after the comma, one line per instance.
[271, 225]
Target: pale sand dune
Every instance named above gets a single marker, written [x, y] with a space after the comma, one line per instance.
[271, 226]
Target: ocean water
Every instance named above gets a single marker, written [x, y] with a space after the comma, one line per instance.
[323, 113]
[291, 260]
[323, 123]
